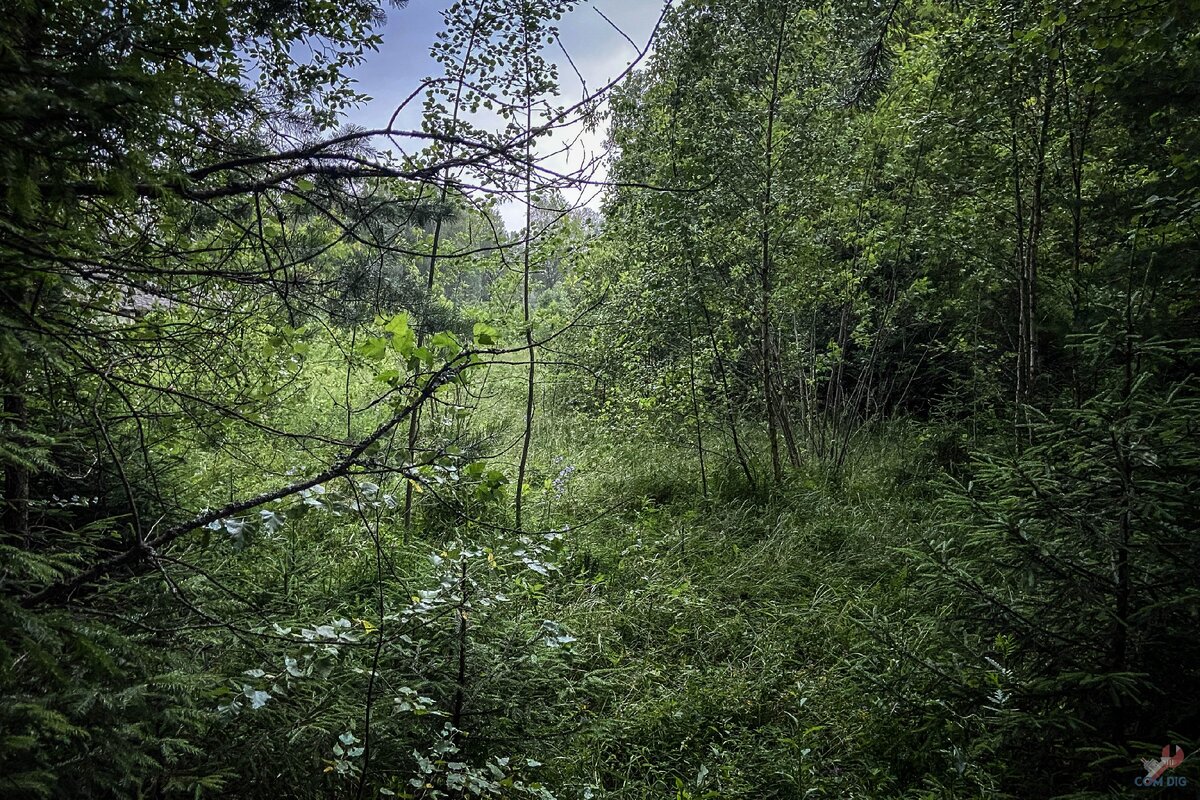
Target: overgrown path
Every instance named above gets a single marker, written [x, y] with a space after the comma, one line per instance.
[731, 644]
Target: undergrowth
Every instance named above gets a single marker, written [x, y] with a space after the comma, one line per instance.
[738, 645]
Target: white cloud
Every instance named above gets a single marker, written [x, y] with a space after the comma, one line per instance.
[599, 52]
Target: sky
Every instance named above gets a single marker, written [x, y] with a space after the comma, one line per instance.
[600, 53]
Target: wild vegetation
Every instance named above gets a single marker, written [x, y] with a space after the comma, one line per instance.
[851, 450]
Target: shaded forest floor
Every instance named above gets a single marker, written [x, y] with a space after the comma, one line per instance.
[738, 645]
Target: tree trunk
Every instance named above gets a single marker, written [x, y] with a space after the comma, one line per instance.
[722, 375]
[766, 267]
[696, 408]
[414, 424]
[525, 316]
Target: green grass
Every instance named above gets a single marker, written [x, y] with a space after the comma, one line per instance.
[742, 646]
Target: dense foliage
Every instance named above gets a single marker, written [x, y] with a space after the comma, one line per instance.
[851, 451]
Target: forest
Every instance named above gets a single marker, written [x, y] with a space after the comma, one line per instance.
[830, 431]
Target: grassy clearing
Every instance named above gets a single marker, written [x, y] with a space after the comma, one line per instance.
[732, 646]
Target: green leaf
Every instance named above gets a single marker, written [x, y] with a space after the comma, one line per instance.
[484, 334]
[374, 348]
[397, 324]
[403, 338]
[389, 376]
[446, 341]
